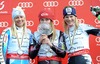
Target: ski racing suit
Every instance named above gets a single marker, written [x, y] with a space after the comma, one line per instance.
[78, 50]
[10, 46]
[45, 53]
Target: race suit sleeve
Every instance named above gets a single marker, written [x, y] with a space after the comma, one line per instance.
[58, 51]
[5, 38]
[91, 30]
[95, 32]
[34, 48]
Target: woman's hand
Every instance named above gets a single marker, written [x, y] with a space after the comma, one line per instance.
[45, 40]
[42, 37]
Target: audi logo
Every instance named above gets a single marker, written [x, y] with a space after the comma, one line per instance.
[4, 24]
[56, 22]
[81, 20]
[50, 3]
[1, 5]
[76, 2]
[97, 39]
[98, 58]
[25, 4]
[30, 23]
[97, 22]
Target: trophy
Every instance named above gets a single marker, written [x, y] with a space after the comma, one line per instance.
[44, 28]
[95, 11]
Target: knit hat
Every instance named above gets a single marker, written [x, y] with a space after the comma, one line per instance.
[46, 13]
[18, 11]
[69, 10]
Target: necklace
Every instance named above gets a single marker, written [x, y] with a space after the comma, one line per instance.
[71, 40]
[20, 51]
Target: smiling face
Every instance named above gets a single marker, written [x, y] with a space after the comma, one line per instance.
[45, 20]
[70, 20]
[19, 21]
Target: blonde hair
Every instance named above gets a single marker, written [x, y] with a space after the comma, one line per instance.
[54, 30]
[13, 28]
[66, 25]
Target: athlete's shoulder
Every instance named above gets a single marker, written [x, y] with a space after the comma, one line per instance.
[6, 29]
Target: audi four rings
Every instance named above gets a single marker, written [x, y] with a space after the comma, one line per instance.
[97, 39]
[76, 2]
[98, 58]
[50, 3]
[3, 24]
[30, 23]
[25, 4]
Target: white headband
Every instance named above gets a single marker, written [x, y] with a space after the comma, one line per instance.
[17, 12]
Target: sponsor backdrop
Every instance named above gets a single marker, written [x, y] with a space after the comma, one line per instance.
[33, 7]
